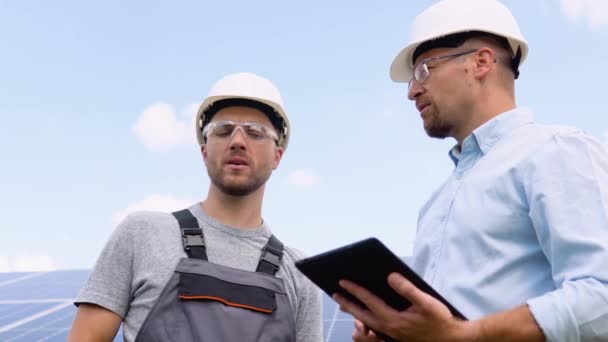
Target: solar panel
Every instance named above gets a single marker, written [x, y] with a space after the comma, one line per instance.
[51, 324]
[38, 307]
[9, 276]
[338, 326]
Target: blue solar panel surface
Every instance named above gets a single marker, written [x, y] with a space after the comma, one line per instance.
[38, 307]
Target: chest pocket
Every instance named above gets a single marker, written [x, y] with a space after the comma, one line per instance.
[199, 287]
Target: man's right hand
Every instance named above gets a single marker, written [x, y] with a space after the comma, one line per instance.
[363, 334]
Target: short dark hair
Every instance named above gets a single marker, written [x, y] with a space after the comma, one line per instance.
[457, 39]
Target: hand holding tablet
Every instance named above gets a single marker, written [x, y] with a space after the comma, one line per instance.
[367, 263]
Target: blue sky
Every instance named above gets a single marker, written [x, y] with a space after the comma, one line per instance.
[97, 98]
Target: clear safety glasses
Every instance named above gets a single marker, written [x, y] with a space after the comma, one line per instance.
[224, 130]
[421, 71]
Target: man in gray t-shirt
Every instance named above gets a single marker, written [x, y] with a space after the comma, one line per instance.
[243, 132]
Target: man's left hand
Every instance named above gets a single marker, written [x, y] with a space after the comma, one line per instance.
[427, 319]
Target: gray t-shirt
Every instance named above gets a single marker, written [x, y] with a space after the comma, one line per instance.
[142, 253]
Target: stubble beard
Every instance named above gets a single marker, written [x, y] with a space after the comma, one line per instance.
[233, 187]
[436, 126]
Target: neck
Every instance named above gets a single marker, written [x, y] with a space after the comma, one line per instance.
[485, 108]
[244, 212]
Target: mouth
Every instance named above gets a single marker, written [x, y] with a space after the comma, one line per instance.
[421, 107]
[237, 162]
[422, 111]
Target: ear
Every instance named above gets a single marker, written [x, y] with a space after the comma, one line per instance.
[204, 153]
[278, 154]
[485, 61]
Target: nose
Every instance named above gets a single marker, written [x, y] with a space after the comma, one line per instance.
[415, 89]
[237, 140]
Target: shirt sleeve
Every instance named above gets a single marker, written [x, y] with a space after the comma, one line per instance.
[309, 307]
[309, 323]
[568, 198]
[109, 284]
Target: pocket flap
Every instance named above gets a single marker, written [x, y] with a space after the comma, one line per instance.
[204, 287]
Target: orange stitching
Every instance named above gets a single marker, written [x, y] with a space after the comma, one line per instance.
[227, 303]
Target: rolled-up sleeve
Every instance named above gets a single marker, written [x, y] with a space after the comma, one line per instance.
[568, 198]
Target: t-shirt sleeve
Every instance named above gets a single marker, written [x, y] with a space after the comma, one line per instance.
[109, 284]
[309, 315]
[309, 324]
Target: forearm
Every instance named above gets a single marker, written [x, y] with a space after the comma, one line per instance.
[84, 334]
[516, 324]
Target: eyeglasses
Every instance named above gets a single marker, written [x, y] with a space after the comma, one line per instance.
[421, 71]
[223, 130]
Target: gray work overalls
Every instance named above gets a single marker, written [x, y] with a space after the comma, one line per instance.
[213, 303]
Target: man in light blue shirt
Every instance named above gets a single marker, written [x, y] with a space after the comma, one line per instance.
[517, 236]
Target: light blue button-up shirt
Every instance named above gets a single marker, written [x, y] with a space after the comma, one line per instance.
[522, 219]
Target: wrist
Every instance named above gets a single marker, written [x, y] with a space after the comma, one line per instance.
[470, 331]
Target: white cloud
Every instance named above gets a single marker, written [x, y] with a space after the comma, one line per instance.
[302, 178]
[593, 12]
[27, 263]
[160, 129]
[606, 139]
[163, 203]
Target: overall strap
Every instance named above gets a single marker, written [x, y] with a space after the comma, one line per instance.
[271, 257]
[192, 234]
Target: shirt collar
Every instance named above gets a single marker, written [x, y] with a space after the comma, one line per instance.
[490, 133]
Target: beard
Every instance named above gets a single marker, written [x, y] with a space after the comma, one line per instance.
[436, 127]
[236, 188]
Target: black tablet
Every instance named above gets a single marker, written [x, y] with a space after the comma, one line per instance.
[367, 263]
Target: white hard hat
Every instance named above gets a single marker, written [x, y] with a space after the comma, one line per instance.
[448, 17]
[260, 92]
